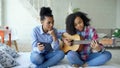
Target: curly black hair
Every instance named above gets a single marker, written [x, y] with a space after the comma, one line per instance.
[70, 28]
[45, 11]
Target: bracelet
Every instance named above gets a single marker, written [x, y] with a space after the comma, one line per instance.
[95, 51]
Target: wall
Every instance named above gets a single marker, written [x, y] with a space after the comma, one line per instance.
[101, 12]
[118, 14]
[19, 18]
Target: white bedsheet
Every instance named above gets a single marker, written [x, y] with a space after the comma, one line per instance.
[24, 61]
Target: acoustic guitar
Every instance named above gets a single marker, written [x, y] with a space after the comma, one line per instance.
[78, 43]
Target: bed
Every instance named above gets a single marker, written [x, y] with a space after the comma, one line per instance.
[24, 61]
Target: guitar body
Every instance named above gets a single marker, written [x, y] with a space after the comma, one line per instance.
[75, 47]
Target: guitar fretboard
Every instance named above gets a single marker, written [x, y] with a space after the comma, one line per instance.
[82, 42]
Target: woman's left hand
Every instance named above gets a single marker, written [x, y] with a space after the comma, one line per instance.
[95, 46]
[51, 32]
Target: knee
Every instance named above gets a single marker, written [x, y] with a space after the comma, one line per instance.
[107, 55]
[71, 53]
[36, 59]
[61, 53]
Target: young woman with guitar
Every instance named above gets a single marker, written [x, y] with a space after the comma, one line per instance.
[90, 54]
[45, 45]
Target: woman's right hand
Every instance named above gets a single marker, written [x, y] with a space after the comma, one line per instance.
[67, 41]
[40, 46]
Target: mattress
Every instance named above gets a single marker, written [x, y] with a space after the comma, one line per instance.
[24, 61]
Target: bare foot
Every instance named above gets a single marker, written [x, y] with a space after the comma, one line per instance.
[84, 65]
[75, 66]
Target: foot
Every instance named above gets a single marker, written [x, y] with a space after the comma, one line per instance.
[85, 65]
[75, 65]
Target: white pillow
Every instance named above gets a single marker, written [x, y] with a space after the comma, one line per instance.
[1, 66]
[6, 60]
[9, 50]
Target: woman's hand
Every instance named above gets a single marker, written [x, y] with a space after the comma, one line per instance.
[67, 41]
[52, 33]
[40, 46]
[95, 46]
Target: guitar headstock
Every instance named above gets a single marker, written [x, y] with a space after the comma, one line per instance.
[107, 41]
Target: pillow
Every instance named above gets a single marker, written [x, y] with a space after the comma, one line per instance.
[6, 60]
[9, 50]
[1, 66]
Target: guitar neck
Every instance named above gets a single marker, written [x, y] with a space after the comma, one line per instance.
[81, 42]
[103, 41]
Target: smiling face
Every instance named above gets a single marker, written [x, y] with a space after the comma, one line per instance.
[79, 24]
[48, 23]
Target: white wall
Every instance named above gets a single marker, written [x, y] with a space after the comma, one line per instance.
[101, 12]
[118, 14]
[16, 16]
